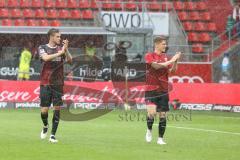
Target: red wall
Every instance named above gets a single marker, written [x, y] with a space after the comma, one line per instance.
[205, 93]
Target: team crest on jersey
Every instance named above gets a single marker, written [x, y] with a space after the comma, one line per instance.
[41, 51]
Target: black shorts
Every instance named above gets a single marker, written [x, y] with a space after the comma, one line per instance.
[51, 94]
[160, 99]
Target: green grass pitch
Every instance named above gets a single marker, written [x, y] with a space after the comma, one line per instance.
[119, 135]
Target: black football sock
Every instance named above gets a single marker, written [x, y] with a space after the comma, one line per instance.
[44, 117]
[55, 121]
[162, 127]
[150, 121]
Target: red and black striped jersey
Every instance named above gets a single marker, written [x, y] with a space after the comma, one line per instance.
[51, 71]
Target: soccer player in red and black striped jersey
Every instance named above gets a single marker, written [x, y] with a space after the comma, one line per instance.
[156, 97]
[53, 56]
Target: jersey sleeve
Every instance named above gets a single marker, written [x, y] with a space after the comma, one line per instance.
[148, 58]
[41, 51]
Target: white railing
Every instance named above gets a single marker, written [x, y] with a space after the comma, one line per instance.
[225, 38]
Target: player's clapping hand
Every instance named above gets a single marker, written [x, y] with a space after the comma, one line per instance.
[176, 57]
[65, 45]
[179, 55]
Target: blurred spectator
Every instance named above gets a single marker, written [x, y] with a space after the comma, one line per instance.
[1, 54]
[138, 57]
[229, 25]
[236, 17]
[70, 76]
[24, 62]
[90, 49]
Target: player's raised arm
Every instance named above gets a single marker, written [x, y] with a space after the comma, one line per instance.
[46, 57]
[67, 53]
[156, 65]
[68, 56]
[174, 66]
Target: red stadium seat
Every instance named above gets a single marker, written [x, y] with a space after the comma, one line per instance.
[130, 6]
[183, 16]
[60, 4]
[6, 22]
[188, 26]
[36, 4]
[194, 16]
[192, 37]
[16, 13]
[166, 6]
[190, 6]
[75, 14]
[39, 13]
[206, 16]
[4, 12]
[197, 48]
[55, 23]
[200, 26]
[25, 3]
[118, 6]
[52, 13]
[12, 3]
[94, 5]
[72, 4]
[204, 37]
[211, 26]
[87, 15]
[84, 4]
[48, 4]
[155, 6]
[31, 22]
[201, 6]
[178, 5]
[19, 22]
[28, 13]
[107, 6]
[43, 22]
[2, 3]
[64, 14]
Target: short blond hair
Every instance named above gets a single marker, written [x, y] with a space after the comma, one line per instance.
[159, 39]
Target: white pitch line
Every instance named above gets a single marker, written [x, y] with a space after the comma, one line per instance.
[203, 130]
[222, 117]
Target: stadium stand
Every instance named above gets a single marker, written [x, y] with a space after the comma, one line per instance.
[220, 10]
[7, 22]
[25, 3]
[19, 22]
[39, 13]
[36, 4]
[195, 15]
[60, 4]
[15, 13]
[43, 22]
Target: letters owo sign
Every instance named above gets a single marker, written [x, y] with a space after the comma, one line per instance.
[158, 21]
